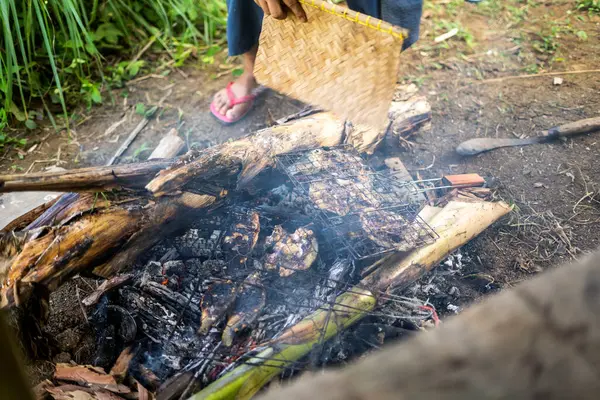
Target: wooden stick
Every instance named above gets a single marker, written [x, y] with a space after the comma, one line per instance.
[86, 179]
[171, 144]
[505, 78]
[140, 126]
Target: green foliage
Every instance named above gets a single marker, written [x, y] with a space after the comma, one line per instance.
[592, 6]
[548, 43]
[144, 148]
[56, 50]
[6, 140]
[140, 108]
[518, 14]
[582, 35]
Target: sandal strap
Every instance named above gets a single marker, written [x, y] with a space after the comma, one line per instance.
[233, 100]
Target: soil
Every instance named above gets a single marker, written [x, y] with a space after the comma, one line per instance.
[556, 217]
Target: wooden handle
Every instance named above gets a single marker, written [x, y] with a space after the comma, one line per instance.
[575, 128]
[464, 180]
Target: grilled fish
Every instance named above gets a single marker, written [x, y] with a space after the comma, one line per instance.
[290, 252]
[250, 301]
[342, 196]
[390, 230]
[337, 162]
[241, 237]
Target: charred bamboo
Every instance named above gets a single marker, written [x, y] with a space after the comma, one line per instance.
[101, 236]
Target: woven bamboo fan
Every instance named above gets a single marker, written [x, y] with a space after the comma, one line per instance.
[339, 60]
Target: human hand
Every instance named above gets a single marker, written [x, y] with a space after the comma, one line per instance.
[278, 8]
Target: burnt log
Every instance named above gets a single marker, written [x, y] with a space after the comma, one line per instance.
[134, 176]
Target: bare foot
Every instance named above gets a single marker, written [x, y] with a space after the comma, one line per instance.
[243, 86]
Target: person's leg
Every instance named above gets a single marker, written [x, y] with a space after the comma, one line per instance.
[244, 22]
[404, 13]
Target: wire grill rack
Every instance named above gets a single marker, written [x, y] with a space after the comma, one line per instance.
[362, 212]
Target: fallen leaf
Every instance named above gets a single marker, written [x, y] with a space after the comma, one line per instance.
[89, 375]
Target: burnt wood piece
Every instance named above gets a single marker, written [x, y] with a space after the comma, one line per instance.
[134, 176]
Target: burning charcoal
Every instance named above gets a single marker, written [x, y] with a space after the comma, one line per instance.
[249, 304]
[390, 230]
[290, 252]
[216, 302]
[198, 243]
[241, 237]
[214, 267]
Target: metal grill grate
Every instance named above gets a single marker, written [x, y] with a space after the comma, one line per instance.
[363, 212]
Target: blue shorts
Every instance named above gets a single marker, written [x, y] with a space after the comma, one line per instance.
[244, 20]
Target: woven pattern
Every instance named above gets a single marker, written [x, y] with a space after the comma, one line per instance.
[339, 60]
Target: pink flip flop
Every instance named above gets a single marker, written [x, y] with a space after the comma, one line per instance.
[233, 101]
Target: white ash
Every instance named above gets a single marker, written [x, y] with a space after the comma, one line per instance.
[454, 262]
[329, 288]
[285, 199]
[453, 308]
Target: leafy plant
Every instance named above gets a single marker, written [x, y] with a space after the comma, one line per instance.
[6, 140]
[139, 151]
[140, 108]
[55, 51]
[548, 43]
[582, 35]
[592, 6]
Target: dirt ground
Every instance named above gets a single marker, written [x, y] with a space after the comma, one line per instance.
[556, 216]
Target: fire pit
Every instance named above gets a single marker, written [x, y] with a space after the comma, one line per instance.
[246, 261]
[208, 299]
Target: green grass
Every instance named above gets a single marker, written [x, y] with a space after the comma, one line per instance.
[57, 53]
